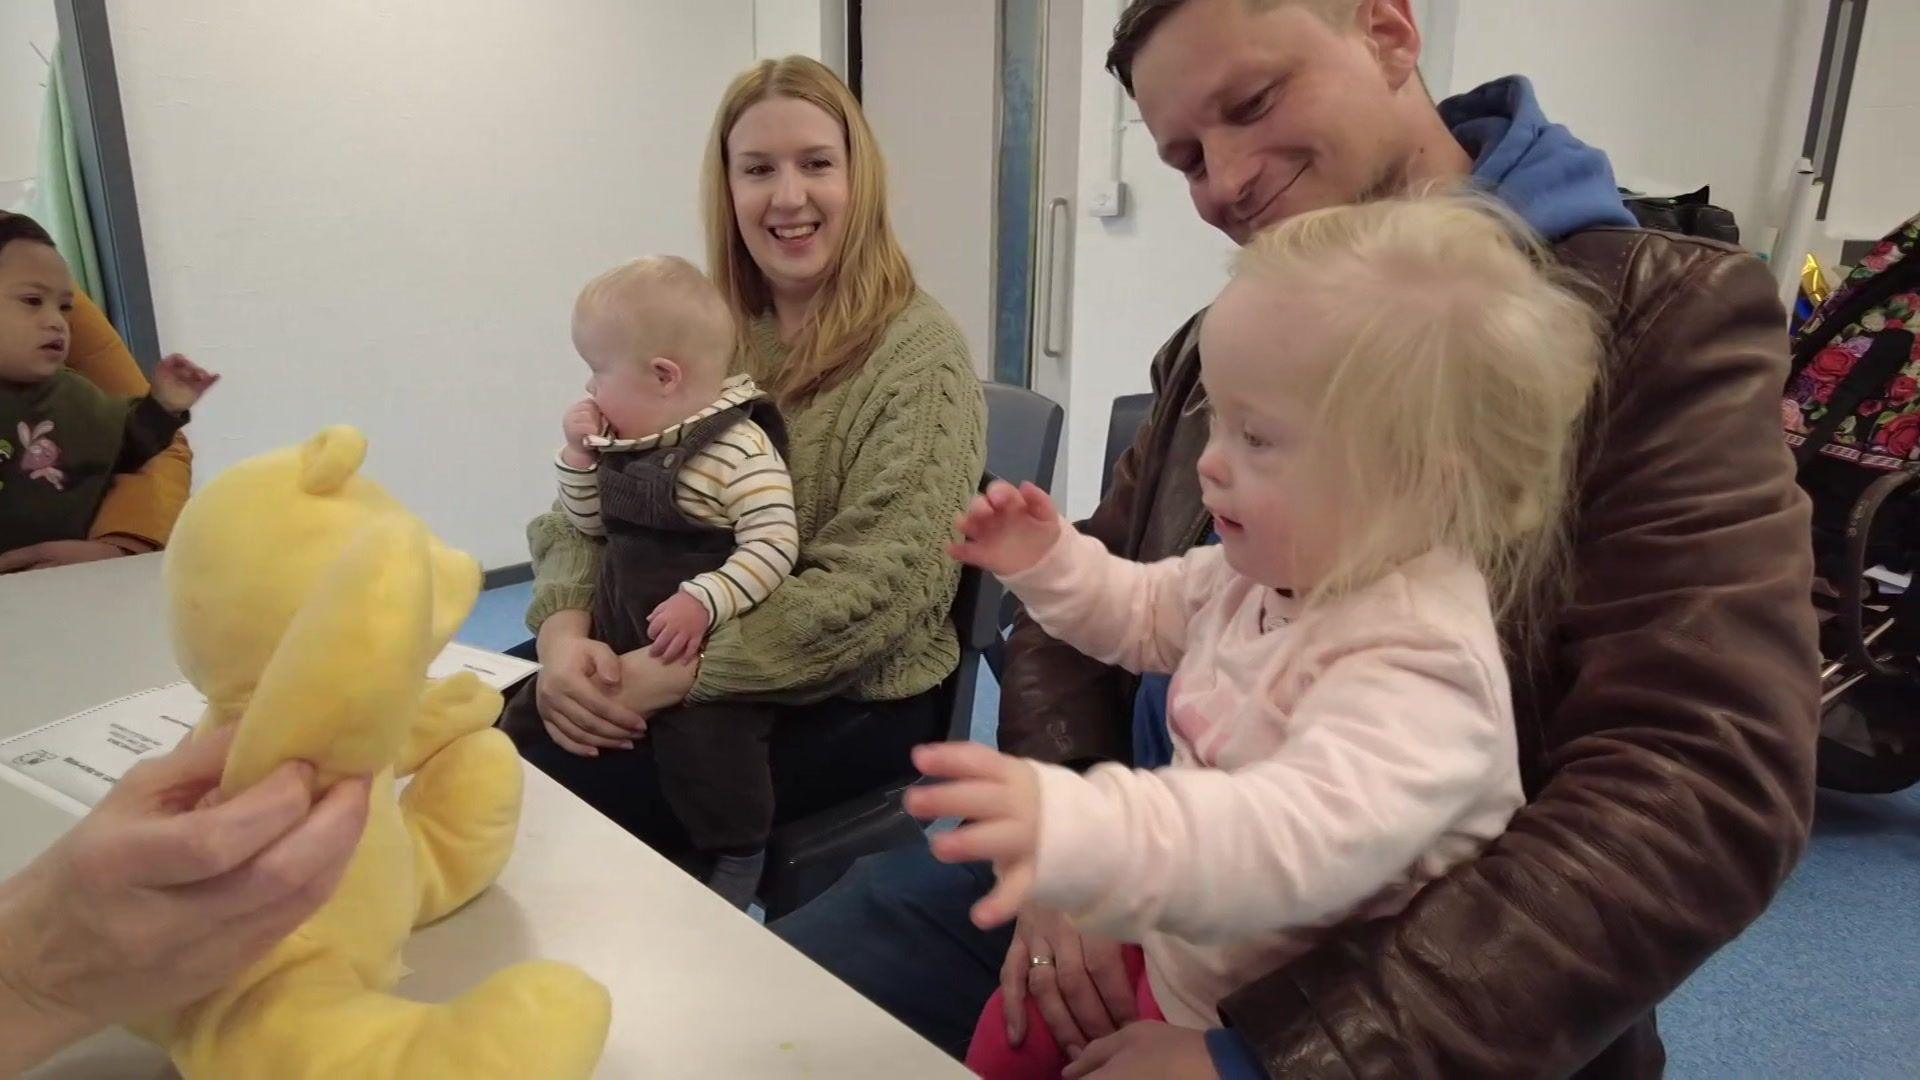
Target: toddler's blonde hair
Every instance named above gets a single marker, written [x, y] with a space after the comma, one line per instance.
[1454, 405]
[668, 308]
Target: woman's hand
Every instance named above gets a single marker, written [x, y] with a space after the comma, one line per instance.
[1149, 1050]
[578, 691]
[1007, 529]
[999, 796]
[161, 895]
[649, 684]
[64, 553]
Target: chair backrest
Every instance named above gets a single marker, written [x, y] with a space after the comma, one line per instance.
[1129, 413]
[1023, 444]
[1023, 434]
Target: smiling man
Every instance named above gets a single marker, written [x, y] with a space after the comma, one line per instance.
[1666, 727]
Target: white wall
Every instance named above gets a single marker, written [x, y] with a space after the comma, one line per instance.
[378, 212]
[25, 25]
[929, 69]
[816, 28]
[1136, 278]
[1877, 181]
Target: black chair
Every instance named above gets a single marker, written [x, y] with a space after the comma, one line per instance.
[1129, 413]
[1023, 435]
[806, 856]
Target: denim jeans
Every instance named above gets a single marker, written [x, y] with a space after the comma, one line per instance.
[895, 928]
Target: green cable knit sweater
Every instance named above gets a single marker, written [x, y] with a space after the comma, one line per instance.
[881, 463]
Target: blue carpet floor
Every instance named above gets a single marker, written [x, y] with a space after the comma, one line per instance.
[1826, 984]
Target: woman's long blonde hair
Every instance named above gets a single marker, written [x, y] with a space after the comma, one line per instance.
[869, 281]
[1455, 405]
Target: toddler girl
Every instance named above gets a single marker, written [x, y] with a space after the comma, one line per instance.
[1396, 390]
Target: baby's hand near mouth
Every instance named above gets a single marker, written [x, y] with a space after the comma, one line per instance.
[179, 383]
[582, 420]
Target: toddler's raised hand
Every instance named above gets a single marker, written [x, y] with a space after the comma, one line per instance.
[999, 798]
[178, 383]
[1007, 529]
[582, 419]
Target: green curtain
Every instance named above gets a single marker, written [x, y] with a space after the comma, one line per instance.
[60, 195]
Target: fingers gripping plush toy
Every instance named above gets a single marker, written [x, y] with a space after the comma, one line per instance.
[306, 605]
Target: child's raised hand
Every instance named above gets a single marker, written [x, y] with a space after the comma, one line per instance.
[999, 796]
[178, 383]
[1007, 529]
[583, 418]
[678, 627]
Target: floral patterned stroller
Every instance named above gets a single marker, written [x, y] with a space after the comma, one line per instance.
[1852, 416]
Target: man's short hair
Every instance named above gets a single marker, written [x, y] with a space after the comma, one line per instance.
[1141, 18]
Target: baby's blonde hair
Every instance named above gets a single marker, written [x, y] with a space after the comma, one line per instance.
[1465, 359]
[667, 308]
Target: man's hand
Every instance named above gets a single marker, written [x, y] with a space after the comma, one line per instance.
[1007, 529]
[60, 553]
[582, 419]
[678, 628]
[999, 796]
[1083, 995]
[178, 383]
[1148, 1050]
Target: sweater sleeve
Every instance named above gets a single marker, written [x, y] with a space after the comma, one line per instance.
[877, 564]
[566, 566]
[1395, 742]
[141, 504]
[1115, 610]
[149, 431]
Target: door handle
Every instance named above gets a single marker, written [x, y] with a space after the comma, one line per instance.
[1053, 328]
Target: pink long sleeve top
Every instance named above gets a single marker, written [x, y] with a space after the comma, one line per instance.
[1326, 763]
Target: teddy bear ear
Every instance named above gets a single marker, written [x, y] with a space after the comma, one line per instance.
[329, 459]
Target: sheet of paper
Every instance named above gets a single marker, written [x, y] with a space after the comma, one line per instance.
[495, 669]
[73, 763]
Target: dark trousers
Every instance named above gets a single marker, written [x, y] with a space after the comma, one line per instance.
[789, 760]
[896, 928]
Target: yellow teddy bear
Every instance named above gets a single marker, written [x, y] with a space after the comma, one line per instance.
[306, 605]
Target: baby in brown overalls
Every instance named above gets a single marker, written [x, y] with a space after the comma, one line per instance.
[680, 469]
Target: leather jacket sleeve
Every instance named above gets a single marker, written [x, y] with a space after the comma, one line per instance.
[1674, 784]
[1057, 705]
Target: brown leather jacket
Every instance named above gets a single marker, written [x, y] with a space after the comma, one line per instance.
[1666, 738]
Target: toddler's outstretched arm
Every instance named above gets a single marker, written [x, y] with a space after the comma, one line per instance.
[1115, 610]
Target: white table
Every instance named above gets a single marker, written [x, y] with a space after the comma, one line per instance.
[699, 990]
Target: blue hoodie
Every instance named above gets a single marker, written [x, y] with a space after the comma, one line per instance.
[1560, 185]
